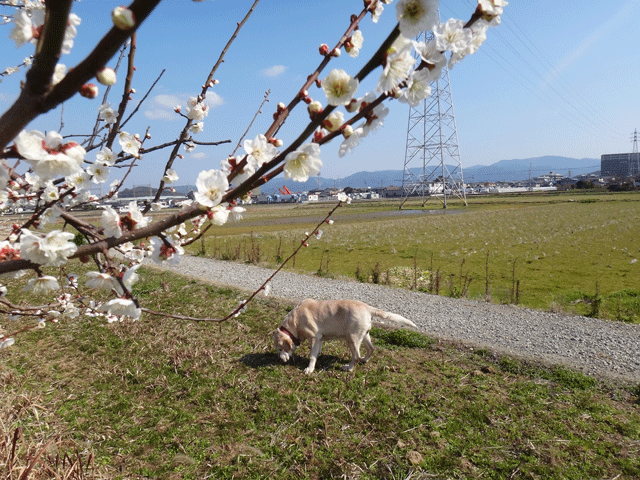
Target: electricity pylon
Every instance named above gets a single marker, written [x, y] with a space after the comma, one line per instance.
[432, 165]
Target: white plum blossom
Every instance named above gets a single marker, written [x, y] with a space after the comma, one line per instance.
[108, 114]
[339, 87]
[211, 184]
[129, 143]
[47, 155]
[416, 16]
[492, 7]
[236, 213]
[170, 176]
[50, 215]
[375, 14]
[303, 163]
[51, 250]
[110, 222]
[430, 54]
[80, 180]
[344, 198]
[452, 35]
[351, 142]
[106, 156]
[354, 44]
[50, 193]
[6, 342]
[28, 23]
[99, 172]
[121, 307]
[375, 118]
[103, 281]
[133, 218]
[398, 65]
[418, 87]
[41, 284]
[165, 251]
[259, 150]
[196, 127]
[196, 110]
[130, 275]
[219, 214]
[58, 73]
[22, 31]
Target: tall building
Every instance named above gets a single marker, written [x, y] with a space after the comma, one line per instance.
[620, 164]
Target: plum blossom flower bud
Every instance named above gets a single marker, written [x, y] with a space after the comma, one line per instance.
[323, 49]
[352, 106]
[213, 82]
[123, 18]
[333, 121]
[177, 109]
[314, 108]
[89, 90]
[336, 52]
[318, 135]
[347, 131]
[276, 142]
[330, 222]
[106, 76]
[281, 107]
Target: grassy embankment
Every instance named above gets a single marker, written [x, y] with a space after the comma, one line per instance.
[166, 399]
[575, 253]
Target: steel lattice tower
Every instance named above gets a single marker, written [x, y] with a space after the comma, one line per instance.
[432, 165]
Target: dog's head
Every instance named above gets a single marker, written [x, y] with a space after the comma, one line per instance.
[284, 345]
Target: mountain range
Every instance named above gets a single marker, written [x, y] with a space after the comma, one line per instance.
[504, 170]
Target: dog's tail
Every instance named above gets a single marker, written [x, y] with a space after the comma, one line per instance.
[392, 317]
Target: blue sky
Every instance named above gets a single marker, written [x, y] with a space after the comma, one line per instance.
[556, 78]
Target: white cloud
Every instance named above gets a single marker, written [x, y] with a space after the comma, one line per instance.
[274, 71]
[213, 99]
[160, 114]
[169, 101]
[198, 155]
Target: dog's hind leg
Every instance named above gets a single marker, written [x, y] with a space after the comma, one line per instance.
[354, 346]
[368, 345]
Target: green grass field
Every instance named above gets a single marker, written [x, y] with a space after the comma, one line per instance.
[575, 253]
[160, 398]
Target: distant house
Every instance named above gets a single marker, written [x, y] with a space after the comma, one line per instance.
[392, 191]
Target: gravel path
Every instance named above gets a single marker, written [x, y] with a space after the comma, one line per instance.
[603, 349]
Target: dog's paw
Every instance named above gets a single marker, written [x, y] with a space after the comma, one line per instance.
[347, 368]
[308, 370]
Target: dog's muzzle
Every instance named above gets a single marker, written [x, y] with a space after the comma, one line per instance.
[284, 356]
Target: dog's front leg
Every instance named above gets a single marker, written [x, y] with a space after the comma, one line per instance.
[316, 348]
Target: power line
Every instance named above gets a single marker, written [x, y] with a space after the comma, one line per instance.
[582, 120]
